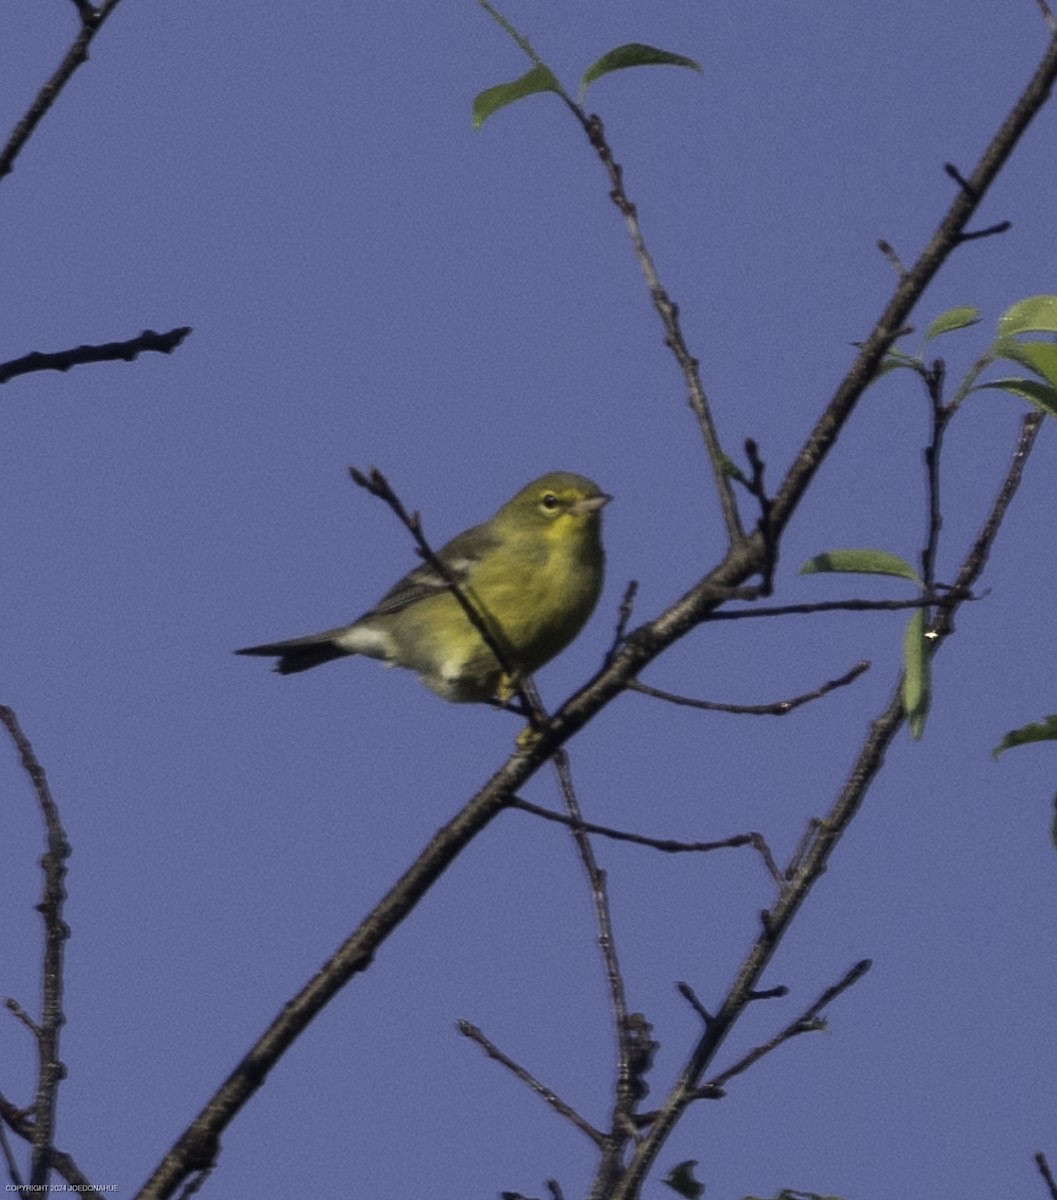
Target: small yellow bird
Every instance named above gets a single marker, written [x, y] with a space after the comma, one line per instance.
[533, 573]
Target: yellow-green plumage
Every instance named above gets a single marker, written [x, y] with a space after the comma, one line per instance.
[533, 572]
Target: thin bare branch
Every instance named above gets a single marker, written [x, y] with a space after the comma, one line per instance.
[596, 878]
[13, 1006]
[555, 1101]
[941, 414]
[623, 617]
[666, 845]
[690, 996]
[92, 20]
[668, 312]
[1047, 15]
[761, 847]
[63, 360]
[946, 596]
[974, 235]
[754, 484]
[777, 708]
[523, 43]
[629, 1089]
[807, 1022]
[973, 566]
[960, 180]
[892, 257]
[775, 993]
[50, 1070]
[1047, 1174]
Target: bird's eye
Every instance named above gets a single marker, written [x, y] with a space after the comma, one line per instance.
[549, 501]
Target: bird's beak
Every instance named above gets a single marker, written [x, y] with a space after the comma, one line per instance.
[590, 504]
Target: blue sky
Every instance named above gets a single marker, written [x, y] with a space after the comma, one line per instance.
[370, 281]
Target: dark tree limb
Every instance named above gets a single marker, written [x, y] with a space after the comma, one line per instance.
[63, 360]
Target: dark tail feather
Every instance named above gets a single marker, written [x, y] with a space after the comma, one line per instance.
[298, 656]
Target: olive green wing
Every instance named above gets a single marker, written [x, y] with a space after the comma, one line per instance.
[459, 556]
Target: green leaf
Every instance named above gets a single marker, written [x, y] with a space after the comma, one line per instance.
[954, 318]
[1027, 389]
[1040, 357]
[863, 562]
[634, 54]
[1036, 314]
[538, 79]
[917, 688]
[1042, 731]
[681, 1179]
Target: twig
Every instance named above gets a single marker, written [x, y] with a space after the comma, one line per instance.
[757, 489]
[764, 851]
[665, 845]
[976, 559]
[970, 191]
[13, 1006]
[623, 617]
[555, 1101]
[597, 880]
[974, 235]
[960, 180]
[690, 996]
[92, 20]
[1047, 1174]
[1047, 15]
[777, 708]
[807, 1022]
[628, 1086]
[63, 360]
[775, 993]
[941, 415]
[668, 312]
[892, 257]
[948, 596]
[635, 1045]
[523, 43]
[50, 1070]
